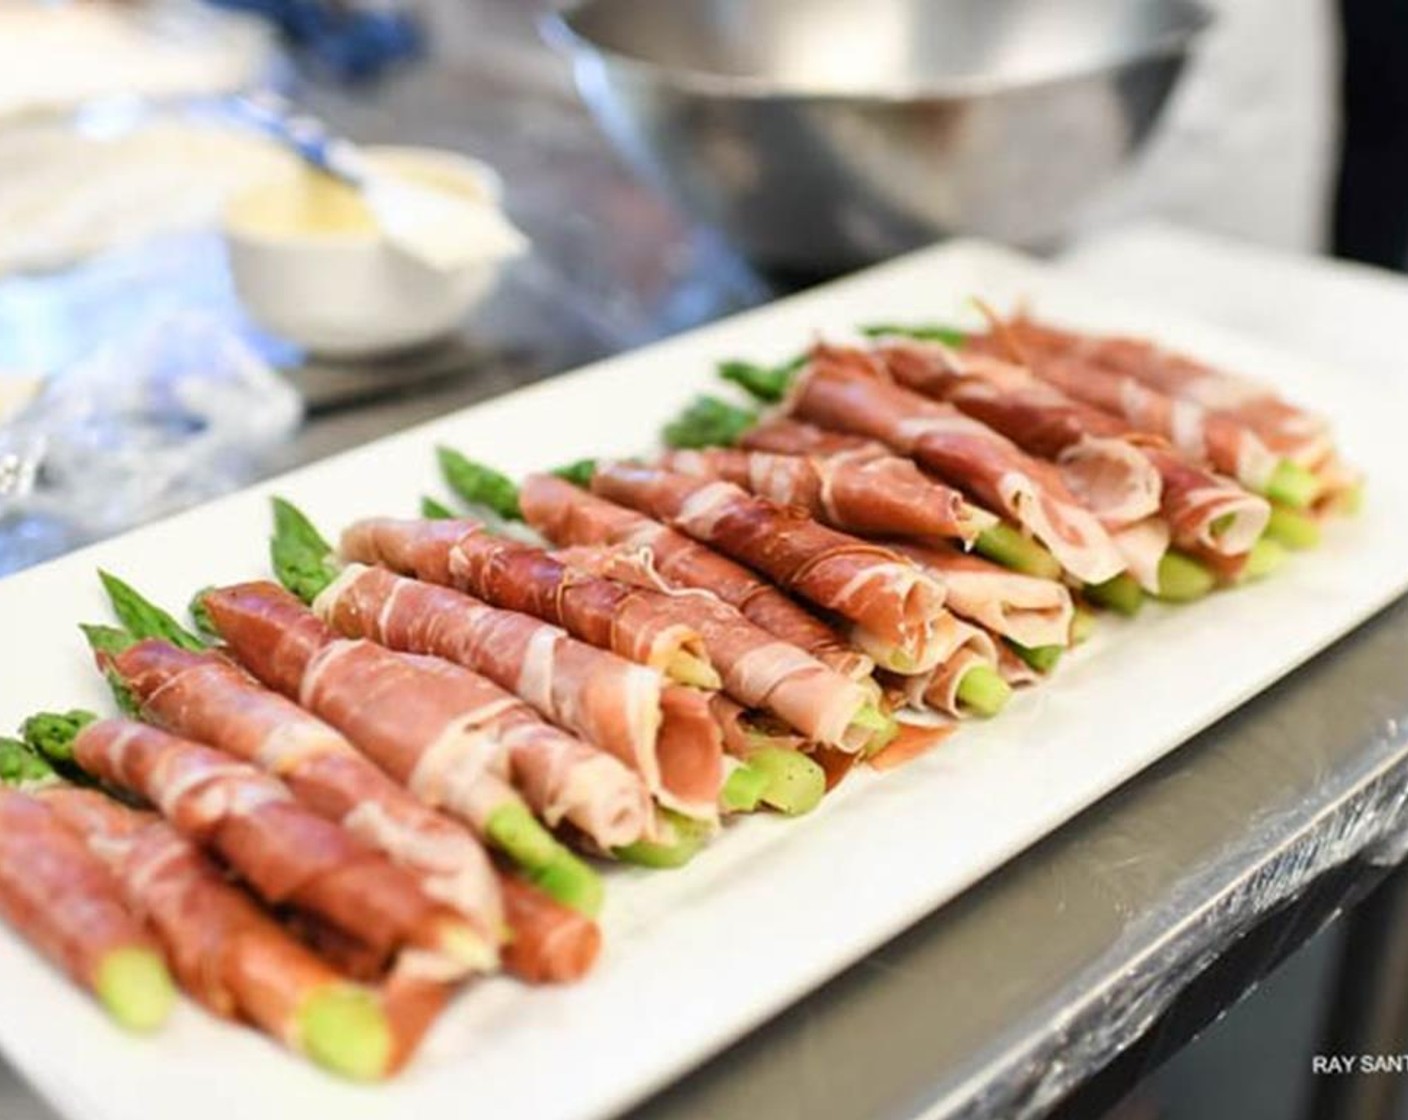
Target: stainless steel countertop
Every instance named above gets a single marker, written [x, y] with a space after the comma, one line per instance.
[999, 1003]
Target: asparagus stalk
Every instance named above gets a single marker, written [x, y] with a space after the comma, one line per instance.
[882, 726]
[982, 691]
[1292, 529]
[794, 782]
[1292, 485]
[578, 473]
[764, 383]
[1082, 626]
[709, 422]
[1007, 545]
[743, 791]
[478, 484]
[303, 561]
[920, 332]
[1121, 594]
[1265, 557]
[1183, 579]
[132, 982]
[345, 1029]
[688, 837]
[1041, 658]
[433, 510]
[141, 618]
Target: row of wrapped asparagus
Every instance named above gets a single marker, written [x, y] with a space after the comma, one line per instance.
[331, 800]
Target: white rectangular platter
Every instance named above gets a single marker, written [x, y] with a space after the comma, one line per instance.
[696, 957]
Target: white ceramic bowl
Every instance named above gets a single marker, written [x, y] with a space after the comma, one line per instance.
[345, 292]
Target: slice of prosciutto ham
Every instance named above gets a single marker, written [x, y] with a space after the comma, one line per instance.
[569, 516]
[856, 491]
[287, 854]
[686, 771]
[227, 954]
[58, 895]
[207, 698]
[846, 390]
[896, 611]
[612, 703]
[1028, 610]
[453, 738]
[937, 690]
[759, 671]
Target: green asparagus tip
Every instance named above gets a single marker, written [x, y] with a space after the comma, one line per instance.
[143, 618]
[1265, 557]
[709, 422]
[344, 1029]
[544, 861]
[743, 790]
[1043, 659]
[51, 734]
[1083, 625]
[794, 782]
[578, 473]
[200, 615]
[1294, 530]
[304, 562]
[478, 484]
[1121, 594]
[687, 840]
[107, 639]
[22, 768]
[921, 332]
[765, 383]
[1006, 545]
[1183, 579]
[434, 510]
[982, 691]
[1293, 485]
[134, 986]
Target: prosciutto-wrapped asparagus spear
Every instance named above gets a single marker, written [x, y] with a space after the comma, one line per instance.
[895, 611]
[62, 899]
[226, 953]
[709, 422]
[452, 737]
[628, 710]
[199, 694]
[842, 389]
[286, 853]
[1211, 517]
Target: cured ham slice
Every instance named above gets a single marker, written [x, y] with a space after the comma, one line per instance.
[759, 671]
[227, 954]
[551, 944]
[206, 698]
[568, 516]
[452, 737]
[284, 851]
[1210, 516]
[896, 611]
[847, 391]
[855, 491]
[60, 898]
[685, 772]
[1098, 463]
[1026, 609]
[937, 690]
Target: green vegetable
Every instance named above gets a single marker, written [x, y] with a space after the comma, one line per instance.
[1292, 485]
[344, 1029]
[709, 422]
[1041, 658]
[135, 987]
[144, 619]
[303, 561]
[578, 473]
[21, 768]
[435, 511]
[983, 692]
[794, 783]
[1183, 579]
[1082, 626]
[743, 790]
[200, 616]
[479, 485]
[1265, 557]
[1292, 529]
[688, 837]
[764, 383]
[686, 668]
[881, 726]
[1122, 594]
[545, 862]
[1007, 545]
[921, 332]
[51, 734]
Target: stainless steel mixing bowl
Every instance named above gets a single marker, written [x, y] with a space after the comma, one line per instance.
[823, 134]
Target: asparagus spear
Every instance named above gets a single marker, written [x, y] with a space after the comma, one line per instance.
[709, 422]
[688, 837]
[1182, 578]
[1082, 626]
[1041, 658]
[489, 487]
[578, 473]
[131, 981]
[1007, 545]
[1292, 485]
[794, 783]
[1292, 529]
[433, 510]
[764, 383]
[1265, 557]
[1121, 594]
[743, 791]
[920, 332]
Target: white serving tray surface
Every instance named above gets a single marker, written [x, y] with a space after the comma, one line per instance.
[696, 957]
